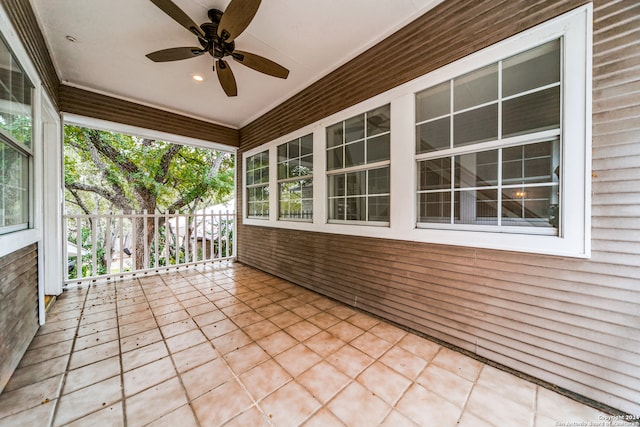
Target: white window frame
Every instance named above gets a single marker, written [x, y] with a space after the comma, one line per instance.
[575, 27]
[282, 181]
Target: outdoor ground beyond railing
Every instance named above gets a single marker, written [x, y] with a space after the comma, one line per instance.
[115, 245]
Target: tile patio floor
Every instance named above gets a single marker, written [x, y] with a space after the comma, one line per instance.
[230, 345]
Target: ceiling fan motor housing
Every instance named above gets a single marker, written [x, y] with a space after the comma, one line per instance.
[217, 47]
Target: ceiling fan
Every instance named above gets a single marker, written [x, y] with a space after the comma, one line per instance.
[217, 38]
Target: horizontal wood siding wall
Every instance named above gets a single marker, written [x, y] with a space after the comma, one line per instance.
[24, 20]
[92, 104]
[572, 322]
[18, 307]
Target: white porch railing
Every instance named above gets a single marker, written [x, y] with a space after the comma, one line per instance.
[116, 245]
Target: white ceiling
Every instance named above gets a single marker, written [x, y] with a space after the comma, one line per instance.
[309, 37]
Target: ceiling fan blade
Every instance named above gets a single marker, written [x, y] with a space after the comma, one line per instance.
[174, 54]
[261, 64]
[227, 80]
[236, 18]
[170, 8]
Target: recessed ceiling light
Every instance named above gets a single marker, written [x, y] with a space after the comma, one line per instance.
[197, 77]
[71, 39]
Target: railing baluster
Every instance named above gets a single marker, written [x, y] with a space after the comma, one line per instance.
[78, 247]
[107, 249]
[120, 236]
[145, 242]
[212, 255]
[133, 241]
[94, 245]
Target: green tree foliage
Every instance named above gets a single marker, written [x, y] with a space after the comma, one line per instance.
[107, 171]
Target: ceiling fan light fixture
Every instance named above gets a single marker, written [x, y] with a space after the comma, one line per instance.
[197, 77]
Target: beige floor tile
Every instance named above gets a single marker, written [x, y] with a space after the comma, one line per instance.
[194, 357]
[563, 409]
[37, 372]
[285, 319]
[231, 341]
[179, 327]
[236, 309]
[140, 340]
[324, 418]
[38, 415]
[137, 327]
[182, 417]
[112, 416]
[246, 357]
[323, 381]
[212, 316]
[260, 329]
[470, 420]
[305, 311]
[492, 407]
[324, 320]
[445, 383]
[270, 310]
[194, 301]
[324, 343]
[458, 363]
[97, 317]
[96, 327]
[363, 321]
[302, 330]
[248, 318]
[144, 355]
[397, 419]
[252, 417]
[45, 353]
[388, 332]
[185, 340]
[91, 374]
[404, 362]
[290, 405]
[98, 338]
[258, 302]
[155, 402]
[508, 385]
[297, 359]
[358, 407]
[341, 311]
[221, 404]
[205, 378]
[94, 354]
[350, 360]
[324, 303]
[426, 408]
[29, 396]
[166, 309]
[384, 382]
[345, 331]
[43, 340]
[276, 343]
[172, 317]
[148, 375]
[265, 378]
[201, 309]
[87, 400]
[218, 329]
[419, 346]
[371, 344]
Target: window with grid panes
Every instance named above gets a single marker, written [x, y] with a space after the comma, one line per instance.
[257, 177]
[488, 146]
[16, 129]
[358, 169]
[295, 179]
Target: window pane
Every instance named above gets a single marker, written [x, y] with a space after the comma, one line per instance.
[378, 149]
[477, 169]
[356, 183]
[354, 154]
[378, 208]
[378, 182]
[282, 153]
[335, 135]
[531, 113]
[337, 209]
[356, 209]
[475, 88]
[336, 185]
[14, 187]
[283, 169]
[334, 158]
[294, 149]
[379, 120]
[475, 126]
[530, 206]
[434, 207]
[531, 163]
[477, 207]
[433, 102]
[306, 145]
[531, 69]
[16, 115]
[306, 165]
[434, 174]
[433, 136]
[354, 128]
